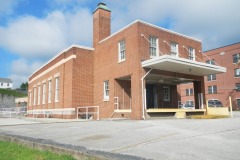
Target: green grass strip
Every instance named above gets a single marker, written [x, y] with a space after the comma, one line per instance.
[13, 151]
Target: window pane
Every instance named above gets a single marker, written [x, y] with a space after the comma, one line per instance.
[122, 51]
[236, 58]
[213, 76]
[191, 53]
[166, 94]
[209, 89]
[237, 72]
[238, 87]
[238, 102]
[191, 91]
[214, 89]
[106, 90]
[153, 46]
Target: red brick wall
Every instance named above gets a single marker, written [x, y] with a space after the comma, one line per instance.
[101, 25]
[106, 66]
[225, 82]
[82, 80]
[71, 93]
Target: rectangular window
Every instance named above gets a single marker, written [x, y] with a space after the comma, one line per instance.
[153, 46]
[174, 49]
[211, 77]
[236, 57]
[44, 93]
[106, 90]
[191, 53]
[238, 103]
[189, 92]
[237, 72]
[211, 62]
[212, 89]
[1, 84]
[49, 91]
[34, 96]
[166, 93]
[238, 87]
[30, 99]
[56, 89]
[190, 102]
[39, 94]
[121, 51]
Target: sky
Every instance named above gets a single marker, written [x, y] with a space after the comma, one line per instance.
[33, 31]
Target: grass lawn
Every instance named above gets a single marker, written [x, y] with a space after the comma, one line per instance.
[14, 151]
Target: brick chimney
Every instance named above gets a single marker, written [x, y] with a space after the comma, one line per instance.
[101, 23]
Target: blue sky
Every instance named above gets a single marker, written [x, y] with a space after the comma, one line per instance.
[33, 31]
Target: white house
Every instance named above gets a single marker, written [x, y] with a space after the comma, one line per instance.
[6, 83]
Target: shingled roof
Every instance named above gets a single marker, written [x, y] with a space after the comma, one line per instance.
[5, 80]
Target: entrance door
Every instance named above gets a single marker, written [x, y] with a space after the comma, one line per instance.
[151, 96]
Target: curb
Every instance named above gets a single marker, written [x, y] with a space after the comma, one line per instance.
[78, 152]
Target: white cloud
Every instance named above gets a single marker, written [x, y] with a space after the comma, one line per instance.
[215, 22]
[6, 6]
[21, 69]
[29, 36]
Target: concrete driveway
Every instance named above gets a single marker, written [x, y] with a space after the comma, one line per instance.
[168, 139]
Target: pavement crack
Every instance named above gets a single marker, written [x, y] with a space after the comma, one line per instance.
[144, 142]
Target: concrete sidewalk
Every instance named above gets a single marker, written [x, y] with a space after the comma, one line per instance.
[214, 139]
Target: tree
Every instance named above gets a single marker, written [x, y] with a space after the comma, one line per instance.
[24, 86]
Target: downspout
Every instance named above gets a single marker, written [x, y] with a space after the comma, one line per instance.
[143, 95]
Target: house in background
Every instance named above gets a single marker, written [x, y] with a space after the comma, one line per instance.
[6, 83]
[220, 86]
[131, 73]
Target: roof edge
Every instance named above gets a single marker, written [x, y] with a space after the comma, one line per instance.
[61, 52]
[151, 25]
[222, 47]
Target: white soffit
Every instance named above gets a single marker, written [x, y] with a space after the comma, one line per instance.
[182, 65]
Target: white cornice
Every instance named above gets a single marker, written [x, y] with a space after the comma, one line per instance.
[64, 50]
[151, 25]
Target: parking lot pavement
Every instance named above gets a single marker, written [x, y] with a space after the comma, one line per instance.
[212, 139]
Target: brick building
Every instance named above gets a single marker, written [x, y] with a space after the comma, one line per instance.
[132, 73]
[223, 85]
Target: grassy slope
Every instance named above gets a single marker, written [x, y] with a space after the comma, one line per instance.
[12, 92]
[13, 151]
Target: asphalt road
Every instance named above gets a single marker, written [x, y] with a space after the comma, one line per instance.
[168, 139]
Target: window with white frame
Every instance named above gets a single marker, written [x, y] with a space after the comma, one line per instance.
[34, 96]
[44, 93]
[236, 57]
[191, 53]
[166, 93]
[30, 99]
[39, 94]
[174, 49]
[190, 102]
[153, 46]
[56, 89]
[211, 77]
[49, 91]
[212, 89]
[237, 72]
[237, 87]
[189, 92]
[212, 61]
[121, 51]
[238, 103]
[106, 90]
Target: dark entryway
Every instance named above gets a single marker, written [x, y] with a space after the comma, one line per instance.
[151, 95]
